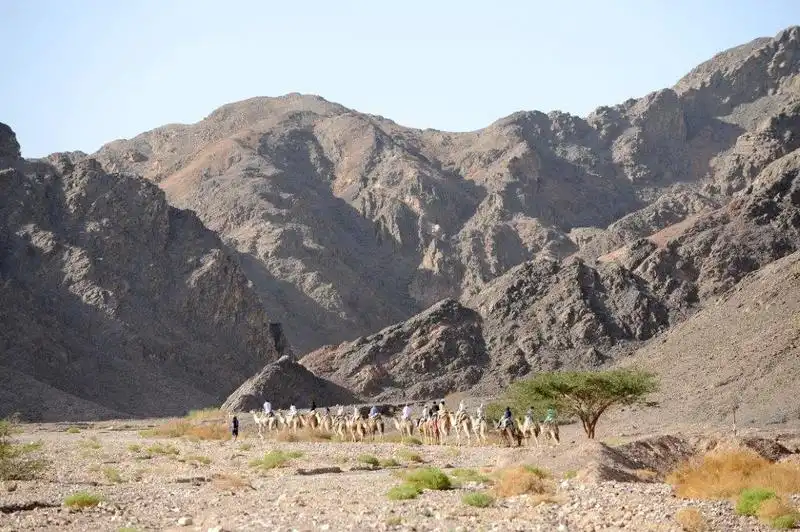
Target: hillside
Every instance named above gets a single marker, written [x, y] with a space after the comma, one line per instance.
[347, 222]
[114, 303]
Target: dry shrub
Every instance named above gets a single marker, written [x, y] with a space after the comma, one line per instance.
[720, 475]
[519, 481]
[207, 414]
[178, 428]
[547, 498]
[228, 482]
[772, 508]
[691, 520]
[645, 475]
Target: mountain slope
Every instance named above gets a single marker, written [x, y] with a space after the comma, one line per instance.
[114, 302]
[353, 222]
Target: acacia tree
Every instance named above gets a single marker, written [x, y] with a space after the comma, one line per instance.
[584, 394]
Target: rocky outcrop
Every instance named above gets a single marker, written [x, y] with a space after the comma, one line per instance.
[113, 301]
[436, 352]
[352, 222]
[284, 383]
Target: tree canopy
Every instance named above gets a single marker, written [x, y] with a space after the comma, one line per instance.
[583, 394]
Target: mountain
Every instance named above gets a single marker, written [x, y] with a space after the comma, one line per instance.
[347, 222]
[113, 302]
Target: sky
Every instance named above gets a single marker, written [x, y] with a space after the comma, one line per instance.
[80, 73]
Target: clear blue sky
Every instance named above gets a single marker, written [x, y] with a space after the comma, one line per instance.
[79, 73]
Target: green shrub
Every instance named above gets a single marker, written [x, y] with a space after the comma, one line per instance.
[204, 460]
[785, 521]
[168, 450]
[274, 459]
[112, 474]
[18, 461]
[409, 456]
[82, 499]
[134, 448]
[411, 440]
[468, 475]
[389, 462]
[541, 473]
[751, 498]
[73, 430]
[428, 478]
[403, 492]
[478, 499]
[369, 460]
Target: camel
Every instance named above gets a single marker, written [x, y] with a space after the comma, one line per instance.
[550, 430]
[357, 428]
[404, 426]
[443, 425]
[309, 420]
[479, 428]
[461, 423]
[530, 429]
[510, 433]
[374, 426]
[429, 430]
[325, 422]
[261, 420]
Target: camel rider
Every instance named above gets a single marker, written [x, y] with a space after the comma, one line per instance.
[442, 408]
[268, 408]
[356, 413]
[506, 419]
[529, 416]
[426, 413]
[406, 412]
[327, 411]
[479, 411]
[292, 412]
[461, 406]
[340, 411]
[313, 406]
[434, 410]
[373, 412]
[551, 415]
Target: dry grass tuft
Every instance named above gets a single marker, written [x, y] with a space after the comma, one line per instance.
[772, 508]
[305, 434]
[82, 500]
[645, 475]
[207, 414]
[112, 474]
[519, 481]
[228, 482]
[409, 456]
[720, 475]
[691, 520]
[179, 428]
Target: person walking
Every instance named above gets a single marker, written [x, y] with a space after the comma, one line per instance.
[235, 428]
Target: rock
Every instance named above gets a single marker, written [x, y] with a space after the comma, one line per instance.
[318, 471]
[185, 521]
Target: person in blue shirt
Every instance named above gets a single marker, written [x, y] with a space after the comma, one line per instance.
[373, 412]
[551, 415]
[506, 419]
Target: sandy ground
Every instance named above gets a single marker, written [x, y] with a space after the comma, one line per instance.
[209, 485]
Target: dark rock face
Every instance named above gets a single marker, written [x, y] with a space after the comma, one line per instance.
[435, 352]
[9, 147]
[318, 199]
[113, 300]
[284, 383]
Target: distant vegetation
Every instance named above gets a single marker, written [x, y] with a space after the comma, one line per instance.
[18, 461]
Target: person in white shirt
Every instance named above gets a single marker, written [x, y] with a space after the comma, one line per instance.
[373, 412]
[340, 411]
[407, 412]
[480, 411]
[292, 411]
[356, 413]
[461, 406]
[268, 408]
[426, 413]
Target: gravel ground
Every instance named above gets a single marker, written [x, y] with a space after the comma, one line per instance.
[159, 492]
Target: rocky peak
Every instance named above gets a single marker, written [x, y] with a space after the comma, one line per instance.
[9, 147]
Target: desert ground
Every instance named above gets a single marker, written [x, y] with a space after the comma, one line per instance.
[147, 481]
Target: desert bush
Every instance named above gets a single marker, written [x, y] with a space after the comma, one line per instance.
[691, 520]
[428, 478]
[197, 459]
[369, 460]
[73, 430]
[721, 475]
[478, 499]
[409, 456]
[772, 508]
[519, 481]
[183, 428]
[274, 459]
[750, 499]
[135, 448]
[403, 492]
[112, 474]
[410, 440]
[82, 499]
[389, 462]
[207, 414]
[786, 522]
[468, 475]
[245, 446]
[90, 443]
[570, 474]
[167, 450]
[18, 461]
[395, 520]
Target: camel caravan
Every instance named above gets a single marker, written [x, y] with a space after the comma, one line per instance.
[436, 426]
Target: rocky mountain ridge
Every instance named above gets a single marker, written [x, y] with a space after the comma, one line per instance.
[348, 222]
